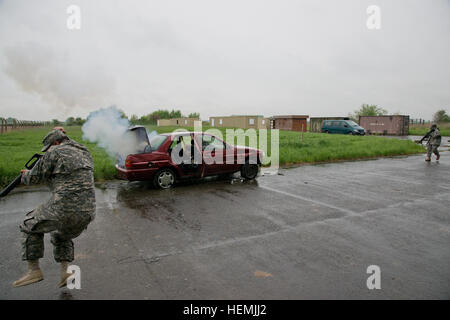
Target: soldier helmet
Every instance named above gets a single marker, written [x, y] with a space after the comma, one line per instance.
[433, 126]
[51, 137]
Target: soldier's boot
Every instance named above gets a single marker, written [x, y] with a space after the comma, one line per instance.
[428, 159]
[34, 274]
[64, 274]
[437, 157]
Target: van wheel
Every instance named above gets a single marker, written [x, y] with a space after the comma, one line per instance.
[249, 171]
[164, 179]
[326, 131]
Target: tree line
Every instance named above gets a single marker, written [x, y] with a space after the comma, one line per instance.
[151, 118]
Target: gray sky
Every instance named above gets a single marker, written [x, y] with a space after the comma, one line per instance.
[223, 57]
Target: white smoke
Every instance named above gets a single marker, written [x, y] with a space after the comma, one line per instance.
[108, 129]
[58, 77]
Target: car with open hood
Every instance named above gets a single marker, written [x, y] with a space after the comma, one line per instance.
[168, 157]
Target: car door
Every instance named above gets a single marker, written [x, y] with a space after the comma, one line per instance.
[345, 128]
[185, 155]
[213, 153]
[334, 128]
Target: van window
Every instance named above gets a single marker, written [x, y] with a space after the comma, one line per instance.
[335, 123]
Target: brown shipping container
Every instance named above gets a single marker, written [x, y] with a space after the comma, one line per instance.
[394, 125]
[293, 123]
[315, 123]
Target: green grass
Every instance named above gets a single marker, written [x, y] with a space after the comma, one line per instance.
[18, 146]
[422, 129]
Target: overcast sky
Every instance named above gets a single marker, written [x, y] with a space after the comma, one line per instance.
[223, 57]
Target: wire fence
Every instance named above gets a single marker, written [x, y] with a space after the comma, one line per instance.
[10, 124]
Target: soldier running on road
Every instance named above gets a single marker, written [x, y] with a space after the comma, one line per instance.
[67, 168]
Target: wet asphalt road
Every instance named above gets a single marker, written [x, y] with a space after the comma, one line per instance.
[310, 232]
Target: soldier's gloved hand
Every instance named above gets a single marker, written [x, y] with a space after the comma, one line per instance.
[23, 171]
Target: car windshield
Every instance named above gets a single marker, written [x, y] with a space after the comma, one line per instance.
[353, 124]
[157, 141]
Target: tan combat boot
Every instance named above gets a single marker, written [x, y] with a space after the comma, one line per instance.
[34, 274]
[64, 274]
[428, 159]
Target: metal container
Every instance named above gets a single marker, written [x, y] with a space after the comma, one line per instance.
[292, 123]
[395, 125]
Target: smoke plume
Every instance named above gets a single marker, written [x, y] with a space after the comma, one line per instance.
[108, 129]
[58, 77]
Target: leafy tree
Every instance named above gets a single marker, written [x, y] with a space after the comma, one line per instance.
[70, 121]
[195, 115]
[56, 122]
[79, 121]
[441, 116]
[153, 117]
[123, 115]
[134, 118]
[368, 110]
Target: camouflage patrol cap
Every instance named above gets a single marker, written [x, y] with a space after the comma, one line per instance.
[51, 137]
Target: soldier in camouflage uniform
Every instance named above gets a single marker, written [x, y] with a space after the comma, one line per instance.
[67, 168]
[434, 141]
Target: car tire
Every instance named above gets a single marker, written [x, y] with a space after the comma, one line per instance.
[164, 179]
[249, 171]
[326, 131]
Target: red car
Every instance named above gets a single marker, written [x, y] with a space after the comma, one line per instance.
[165, 158]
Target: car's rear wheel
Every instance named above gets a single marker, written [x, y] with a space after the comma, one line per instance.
[249, 171]
[164, 179]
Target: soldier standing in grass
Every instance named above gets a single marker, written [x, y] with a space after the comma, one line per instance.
[67, 168]
[434, 141]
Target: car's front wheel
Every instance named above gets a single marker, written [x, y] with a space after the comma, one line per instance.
[249, 171]
[164, 179]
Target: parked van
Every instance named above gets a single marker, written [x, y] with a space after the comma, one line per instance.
[342, 126]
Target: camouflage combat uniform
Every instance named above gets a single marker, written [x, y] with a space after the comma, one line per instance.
[433, 143]
[67, 169]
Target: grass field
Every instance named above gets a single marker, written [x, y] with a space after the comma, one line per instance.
[422, 129]
[18, 146]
